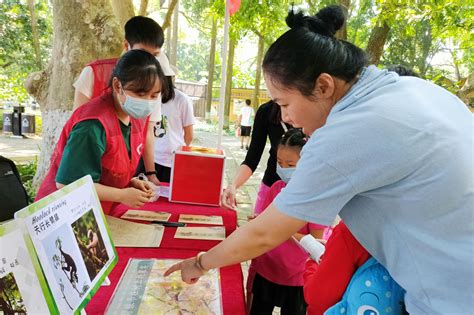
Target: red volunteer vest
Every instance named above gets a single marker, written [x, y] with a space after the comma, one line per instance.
[117, 167]
[102, 70]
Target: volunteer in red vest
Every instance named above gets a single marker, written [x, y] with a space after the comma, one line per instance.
[140, 33]
[105, 137]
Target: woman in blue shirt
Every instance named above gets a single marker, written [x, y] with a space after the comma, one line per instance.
[391, 155]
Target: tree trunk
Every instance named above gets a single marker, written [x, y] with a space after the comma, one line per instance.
[466, 93]
[123, 10]
[143, 8]
[228, 82]
[258, 73]
[174, 37]
[74, 23]
[376, 43]
[342, 33]
[168, 41]
[456, 64]
[35, 35]
[167, 20]
[210, 68]
[426, 43]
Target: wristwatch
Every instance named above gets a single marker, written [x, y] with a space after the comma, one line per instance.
[150, 173]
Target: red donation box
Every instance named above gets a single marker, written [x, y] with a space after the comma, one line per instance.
[197, 175]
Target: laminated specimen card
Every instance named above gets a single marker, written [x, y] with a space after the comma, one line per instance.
[144, 290]
[216, 233]
[70, 237]
[145, 215]
[131, 234]
[23, 290]
[201, 219]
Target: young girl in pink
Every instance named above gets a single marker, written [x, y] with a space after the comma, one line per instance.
[276, 278]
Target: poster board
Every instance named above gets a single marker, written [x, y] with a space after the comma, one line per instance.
[70, 237]
[23, 288]
[144, 290]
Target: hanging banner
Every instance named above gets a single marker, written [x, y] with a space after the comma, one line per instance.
[234, 6]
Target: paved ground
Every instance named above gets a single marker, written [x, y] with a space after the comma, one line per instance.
[19, 149]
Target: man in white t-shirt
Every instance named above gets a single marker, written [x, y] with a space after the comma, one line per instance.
[245, 122]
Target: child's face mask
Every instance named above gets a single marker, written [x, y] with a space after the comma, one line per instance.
[285, 173]
[287, 159]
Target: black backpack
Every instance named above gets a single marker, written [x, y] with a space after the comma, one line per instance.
[13, 196]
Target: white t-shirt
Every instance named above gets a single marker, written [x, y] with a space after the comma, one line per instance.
[169, 135]
[85, 85]
[247, 114]
[85, 82]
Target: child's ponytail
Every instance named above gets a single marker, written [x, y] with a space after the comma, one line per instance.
[294, 138]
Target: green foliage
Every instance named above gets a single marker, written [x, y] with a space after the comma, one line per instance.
[427, 28]
[359, 23]
[262, 18]
[11, 295]
[27, 172]
[242, 77]
[193, 59]
[17, 58]
[38, 125]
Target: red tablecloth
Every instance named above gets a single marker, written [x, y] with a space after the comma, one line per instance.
[231, 277]
[229, 218]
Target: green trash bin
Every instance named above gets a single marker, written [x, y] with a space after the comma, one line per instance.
[28, 123]
[7, 122]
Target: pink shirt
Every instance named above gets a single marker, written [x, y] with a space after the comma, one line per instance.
[284, 264]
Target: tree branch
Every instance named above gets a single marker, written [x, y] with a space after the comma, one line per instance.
[200, 28]
[6, 64]
[167, 20]
[143, 7]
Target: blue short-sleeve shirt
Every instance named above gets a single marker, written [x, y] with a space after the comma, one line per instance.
[395, 161]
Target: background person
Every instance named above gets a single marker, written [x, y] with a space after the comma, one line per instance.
[140, 33]
[403, 71]
[245, 124]
[267, 125]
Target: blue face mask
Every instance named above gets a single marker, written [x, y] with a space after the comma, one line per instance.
[138, 107]
[285, 173]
